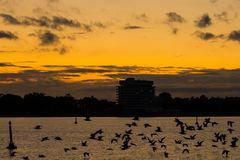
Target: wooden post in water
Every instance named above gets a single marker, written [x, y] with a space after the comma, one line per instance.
[196, 120]
[11, 145]
[75, 120]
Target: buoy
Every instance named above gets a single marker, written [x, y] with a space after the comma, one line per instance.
[11, 145]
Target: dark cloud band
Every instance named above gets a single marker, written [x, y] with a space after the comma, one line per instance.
[7, 35]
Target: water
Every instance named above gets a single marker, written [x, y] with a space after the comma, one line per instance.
[28, 140]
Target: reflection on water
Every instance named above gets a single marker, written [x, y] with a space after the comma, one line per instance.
[29, 140]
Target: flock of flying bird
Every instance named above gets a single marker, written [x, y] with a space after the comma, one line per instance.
[155, 140]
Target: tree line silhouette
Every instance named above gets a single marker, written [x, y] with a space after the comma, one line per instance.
[40, 104]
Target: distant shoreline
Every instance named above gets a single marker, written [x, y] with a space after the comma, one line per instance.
[124, 116]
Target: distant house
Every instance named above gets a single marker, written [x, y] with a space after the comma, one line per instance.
[135, 94]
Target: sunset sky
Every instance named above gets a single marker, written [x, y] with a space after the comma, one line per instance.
[83, 47]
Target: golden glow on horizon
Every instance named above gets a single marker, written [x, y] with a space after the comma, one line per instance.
[154, 45]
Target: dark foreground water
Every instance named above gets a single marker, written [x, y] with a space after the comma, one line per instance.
[28, 139]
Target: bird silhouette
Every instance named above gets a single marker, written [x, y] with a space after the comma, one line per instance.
[25, 158]
[134, 124]
[192, 137]
[118, 135]
[87, 118]
[185, 145]
[158, 129]
[165, 154]
[144, 138]
[133, 144]
[100, 131]
[85, 154]
[41, 156]
[12, 154]
[164, 146]
[146, 125]
[38, 127]
[205, 124]
[84, 143]
[207, 120]
[230, 130]
[188, 127]
[92, 136]
[199, 127]
[185, 150]
[74, 148]
[215, 146]
[154, 149]
[152, 142]
[45, 139]
[100, 138]
[154, 134]
[125, 145]
[128, 131]
[136, 118]
[161, 140]
[214, 123]
[224, 142]
[66, 149]
[114, 140]
[225, 153]
[234, 142]
[141, 134]
[178, 122]
[230, 123]
[126, 137]
[182, 128]
[58, 138]
[199, 144]
[178, 141]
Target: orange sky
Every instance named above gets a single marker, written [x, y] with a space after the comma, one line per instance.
[120, 33]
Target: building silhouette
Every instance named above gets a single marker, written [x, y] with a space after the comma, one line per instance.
[135, 94]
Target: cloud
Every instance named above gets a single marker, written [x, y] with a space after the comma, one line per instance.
[234, 35]
[7, 35]
[99, 25]
[185, 82]
[7, 51]
[55, 22]
[58, 21]
[53, 1]
[87, 27]
[48, 38]
[213, 1]
[142, 17]
[132, 27]
[204, 21]
[10, 19]
[61, 50]
[175, 17]
[223, 16]
[6, 65]
[40, 11]
[175, 30]
[58, 66]
[207, 35]
[41, 22]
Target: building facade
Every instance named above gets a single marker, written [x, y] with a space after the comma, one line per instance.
[135, 94]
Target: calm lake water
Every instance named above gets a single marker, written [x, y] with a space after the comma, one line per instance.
[28, 139]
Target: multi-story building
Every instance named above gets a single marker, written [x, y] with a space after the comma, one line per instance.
[135, 94]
